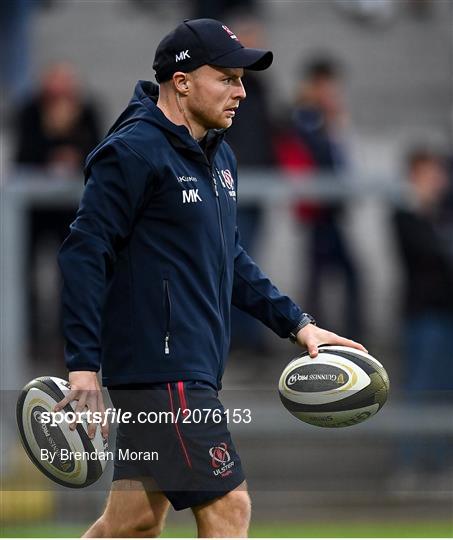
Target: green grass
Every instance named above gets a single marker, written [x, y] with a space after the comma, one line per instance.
[355, 530]
[435, 529]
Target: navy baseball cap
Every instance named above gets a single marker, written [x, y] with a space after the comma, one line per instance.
[197, 42]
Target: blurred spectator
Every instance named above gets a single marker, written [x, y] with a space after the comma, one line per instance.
[422, 9]
[316, 143]
[428, 269]
[428, 304]
[384, 12]
[448, 206]
[15, 18]
[56, 129]
[250, 137]
[369, 11]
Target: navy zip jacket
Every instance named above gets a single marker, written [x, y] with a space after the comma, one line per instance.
[153, 262]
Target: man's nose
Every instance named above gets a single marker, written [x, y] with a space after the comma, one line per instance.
[240, 92]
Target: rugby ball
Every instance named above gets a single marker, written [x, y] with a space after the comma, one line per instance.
[341, 387]
[69, 458]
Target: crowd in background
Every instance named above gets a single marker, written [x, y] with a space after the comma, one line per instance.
[58, 123]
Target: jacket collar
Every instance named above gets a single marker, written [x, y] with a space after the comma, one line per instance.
[143, 107]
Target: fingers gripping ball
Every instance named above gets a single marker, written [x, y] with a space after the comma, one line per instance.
[341, 387]
[67, 457]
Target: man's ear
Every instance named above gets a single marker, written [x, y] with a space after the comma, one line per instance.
[181, 82]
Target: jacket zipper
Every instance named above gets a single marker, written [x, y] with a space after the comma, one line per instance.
[222, 234]
[167, 301]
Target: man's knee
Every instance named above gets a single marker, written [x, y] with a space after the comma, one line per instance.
[131, 511]
[145, 526]
[141, 530]
[239, 507]
[231, 510]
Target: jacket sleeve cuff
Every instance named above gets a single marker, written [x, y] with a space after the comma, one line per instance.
[305, 319]
[76, 363]
[83, 368]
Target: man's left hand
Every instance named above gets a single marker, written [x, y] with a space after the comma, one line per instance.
[310, 337]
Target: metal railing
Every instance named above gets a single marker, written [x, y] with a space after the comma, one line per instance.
[23, 190]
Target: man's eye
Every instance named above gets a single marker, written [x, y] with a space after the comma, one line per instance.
[228, 80]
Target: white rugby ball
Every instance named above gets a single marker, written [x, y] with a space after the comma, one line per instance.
[67, 457]
[341, 387]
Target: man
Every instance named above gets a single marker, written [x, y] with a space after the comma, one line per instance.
[55, 130]
[151, 267]
[320, 117]
[425, 244]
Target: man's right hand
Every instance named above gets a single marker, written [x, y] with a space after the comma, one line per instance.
[86, 391]
[310, 337]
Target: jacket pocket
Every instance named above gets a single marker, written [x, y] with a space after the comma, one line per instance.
[167, 314]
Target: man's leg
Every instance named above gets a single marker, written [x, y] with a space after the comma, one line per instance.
[227, 516]
[132, 510]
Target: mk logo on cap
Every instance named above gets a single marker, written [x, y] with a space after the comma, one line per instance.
[182, 55]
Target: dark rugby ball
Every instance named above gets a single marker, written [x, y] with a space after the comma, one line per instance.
[69, 458]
